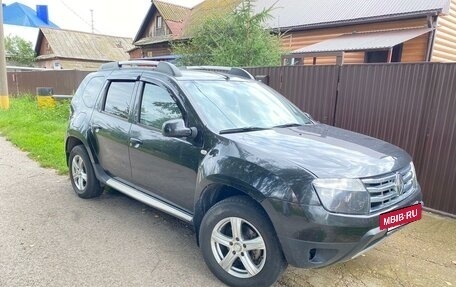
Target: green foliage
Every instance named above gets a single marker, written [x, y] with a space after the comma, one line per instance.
[39, 131]
[19, 51]
[237, 39]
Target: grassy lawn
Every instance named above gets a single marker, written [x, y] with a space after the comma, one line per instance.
[40, 132]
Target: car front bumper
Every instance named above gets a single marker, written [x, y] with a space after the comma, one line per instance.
[312, 237]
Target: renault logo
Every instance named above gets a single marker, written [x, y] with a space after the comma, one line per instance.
[399, 184]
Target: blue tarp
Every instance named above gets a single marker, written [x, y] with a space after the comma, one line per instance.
[22, 15]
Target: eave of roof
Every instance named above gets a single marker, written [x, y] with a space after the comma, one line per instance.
[358, 21]
[364, 41]
[54, 57]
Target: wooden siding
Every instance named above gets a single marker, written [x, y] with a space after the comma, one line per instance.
[414, 50]
[445, 38]
[45, 49]
[152, 32]
[136, 53]
[157, 50]
[349, 58]
[70, 64]
[299, 39]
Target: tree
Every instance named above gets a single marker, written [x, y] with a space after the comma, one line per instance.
[237, 39]
[19, 51]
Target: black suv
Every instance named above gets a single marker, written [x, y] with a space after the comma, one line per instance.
[261, 182]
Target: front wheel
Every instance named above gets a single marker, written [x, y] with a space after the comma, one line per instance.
[239, 244]
[82, 175]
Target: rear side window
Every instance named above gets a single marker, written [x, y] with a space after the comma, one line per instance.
[118, 98]
[92, 90]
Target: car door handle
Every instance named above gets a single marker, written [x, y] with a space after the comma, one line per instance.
[135, 143]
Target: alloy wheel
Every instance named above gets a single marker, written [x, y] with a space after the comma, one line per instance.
[238, 247]
[79, 172]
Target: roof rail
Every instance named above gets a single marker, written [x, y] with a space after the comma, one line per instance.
[229, 70]
[168, 68]
[163, 67]
[118, 65]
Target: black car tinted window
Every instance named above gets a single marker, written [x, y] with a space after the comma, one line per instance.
[226, 105]
[157, 106]
[118, 98]
[92, 90]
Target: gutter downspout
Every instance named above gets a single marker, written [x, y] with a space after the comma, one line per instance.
[432, 23]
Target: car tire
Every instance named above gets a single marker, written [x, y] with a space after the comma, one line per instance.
[249, 254]
[82, 175]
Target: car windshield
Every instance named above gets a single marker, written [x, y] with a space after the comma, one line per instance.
[236, 106]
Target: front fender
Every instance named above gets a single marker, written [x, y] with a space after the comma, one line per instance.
[250, 178]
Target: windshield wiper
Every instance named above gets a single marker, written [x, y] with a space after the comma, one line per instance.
[242, 130]
[288, 125]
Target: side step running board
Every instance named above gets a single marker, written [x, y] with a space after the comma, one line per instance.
[148, 200]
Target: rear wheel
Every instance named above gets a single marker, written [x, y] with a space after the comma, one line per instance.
[83, 179]
[239, 244]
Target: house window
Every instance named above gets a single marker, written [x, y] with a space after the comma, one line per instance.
[382, 56]
[159, 23]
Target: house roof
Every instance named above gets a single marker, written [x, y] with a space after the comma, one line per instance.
[172, 12]
[299, 14]
[209, 8]
[180, 19]
[22, 15]
[82, 45]
[364, 41]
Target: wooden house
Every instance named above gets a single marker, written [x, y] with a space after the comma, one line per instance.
[165, 23]
[66, 49]
[360, 31]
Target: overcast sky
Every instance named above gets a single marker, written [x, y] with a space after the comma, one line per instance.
[119, 18]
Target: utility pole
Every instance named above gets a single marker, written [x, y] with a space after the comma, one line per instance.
[4, 99]
[91, 20]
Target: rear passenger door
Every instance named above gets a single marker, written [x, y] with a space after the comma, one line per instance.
[111, 126]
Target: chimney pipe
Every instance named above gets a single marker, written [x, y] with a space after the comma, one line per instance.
[42, 13]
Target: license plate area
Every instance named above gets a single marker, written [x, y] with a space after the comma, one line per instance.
[396, 218]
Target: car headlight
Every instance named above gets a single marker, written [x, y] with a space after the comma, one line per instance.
[414, 178]
[343, 195]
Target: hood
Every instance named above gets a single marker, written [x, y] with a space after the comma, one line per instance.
[325, 151]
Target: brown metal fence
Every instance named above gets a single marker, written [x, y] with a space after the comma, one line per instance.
[64, 82]
[304, 87]
[410, 105]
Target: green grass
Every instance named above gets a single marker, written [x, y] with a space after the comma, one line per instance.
[39, 131]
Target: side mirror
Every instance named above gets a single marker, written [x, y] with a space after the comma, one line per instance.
[177, 129]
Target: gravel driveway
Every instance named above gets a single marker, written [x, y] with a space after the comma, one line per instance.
[50, 237]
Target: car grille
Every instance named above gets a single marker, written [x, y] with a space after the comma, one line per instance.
[383, 191]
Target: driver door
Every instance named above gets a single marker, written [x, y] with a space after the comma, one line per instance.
[164, 167]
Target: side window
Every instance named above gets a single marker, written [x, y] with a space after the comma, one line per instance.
[157, 107]
[92, 90]
[118, 98]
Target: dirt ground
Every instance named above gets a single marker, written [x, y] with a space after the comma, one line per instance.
[50, 237]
